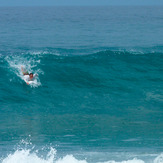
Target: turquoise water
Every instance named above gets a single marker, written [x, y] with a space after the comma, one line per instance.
[99, 91]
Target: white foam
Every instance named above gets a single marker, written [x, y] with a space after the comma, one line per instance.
[41, 53]
[25, 156]
[27, 153]
[159, 159]
[38, 52]
[15, 63]
[154, 96]
[70, 159]
[128, 161]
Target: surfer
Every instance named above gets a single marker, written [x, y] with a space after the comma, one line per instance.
[28, 76]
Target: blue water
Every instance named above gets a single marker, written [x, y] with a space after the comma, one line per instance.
[99, 91]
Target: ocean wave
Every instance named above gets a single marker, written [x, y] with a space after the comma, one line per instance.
[96, 51]
[15, 63]
[26, 156]
[85, 51]
[93, 68]
[26, 152]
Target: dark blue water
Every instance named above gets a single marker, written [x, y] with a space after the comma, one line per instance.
[99, 92]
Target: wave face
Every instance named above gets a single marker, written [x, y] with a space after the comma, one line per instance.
[99, 100]
[98, 95]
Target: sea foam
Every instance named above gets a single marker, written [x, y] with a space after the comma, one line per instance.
[27, 156]
[28, 63]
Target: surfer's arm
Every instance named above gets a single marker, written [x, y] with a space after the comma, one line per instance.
[24, 72]
[22, 69]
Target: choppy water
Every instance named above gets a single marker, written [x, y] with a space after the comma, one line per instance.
[99, 91]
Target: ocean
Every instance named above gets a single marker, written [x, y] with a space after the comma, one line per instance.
[99, 91]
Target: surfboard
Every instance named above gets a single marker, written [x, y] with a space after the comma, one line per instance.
[29, 82]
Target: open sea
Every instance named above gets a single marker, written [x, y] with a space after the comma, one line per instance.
[99, 91]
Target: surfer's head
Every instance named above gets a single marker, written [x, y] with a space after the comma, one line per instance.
[31, 75]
